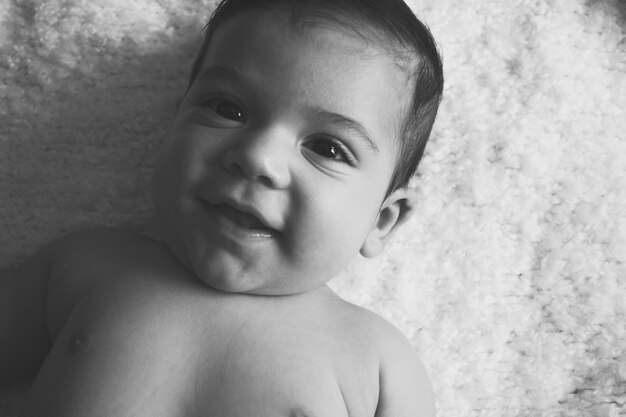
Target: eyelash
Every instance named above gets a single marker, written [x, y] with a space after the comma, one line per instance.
[343, 151]
[216, 103]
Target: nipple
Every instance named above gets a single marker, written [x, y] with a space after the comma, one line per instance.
[298, 412]
[79, 342]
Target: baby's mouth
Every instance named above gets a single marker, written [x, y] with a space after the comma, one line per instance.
[245, 220]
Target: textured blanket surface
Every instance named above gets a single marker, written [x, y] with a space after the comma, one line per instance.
[510, 279]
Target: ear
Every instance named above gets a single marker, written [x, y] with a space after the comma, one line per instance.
[395, 210]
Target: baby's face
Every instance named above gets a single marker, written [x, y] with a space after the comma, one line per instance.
[274, 174]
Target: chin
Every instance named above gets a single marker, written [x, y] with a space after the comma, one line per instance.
[220, 279]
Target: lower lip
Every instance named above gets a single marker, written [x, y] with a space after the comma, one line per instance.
[231, 228]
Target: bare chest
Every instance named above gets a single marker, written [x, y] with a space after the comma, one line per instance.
[148, 348]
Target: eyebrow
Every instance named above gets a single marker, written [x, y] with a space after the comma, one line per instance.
[337, 119]
[220, 71]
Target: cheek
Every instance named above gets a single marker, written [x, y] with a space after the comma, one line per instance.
[175, 175]
[184, 157]
[333, 225]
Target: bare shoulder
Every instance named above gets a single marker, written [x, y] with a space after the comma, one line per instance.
[37, 295]
[81, 258]
[404, 386]
[97, 238]
[84, 261]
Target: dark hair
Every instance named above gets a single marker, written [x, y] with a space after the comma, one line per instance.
[388, 21]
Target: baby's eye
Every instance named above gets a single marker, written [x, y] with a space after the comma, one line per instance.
[330, 149]
[227, 109]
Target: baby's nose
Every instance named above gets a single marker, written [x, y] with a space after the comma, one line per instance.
[262, 156]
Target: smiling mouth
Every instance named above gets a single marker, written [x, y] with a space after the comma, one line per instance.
[245, 220]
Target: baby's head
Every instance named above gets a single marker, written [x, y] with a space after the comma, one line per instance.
[387, 24]
[293, 147]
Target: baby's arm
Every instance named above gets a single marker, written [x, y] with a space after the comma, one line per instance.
[404, 385]
[24, 339]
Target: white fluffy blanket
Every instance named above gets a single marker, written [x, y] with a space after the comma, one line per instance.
[509, 281]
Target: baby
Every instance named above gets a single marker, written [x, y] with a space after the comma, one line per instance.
[290, 153]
